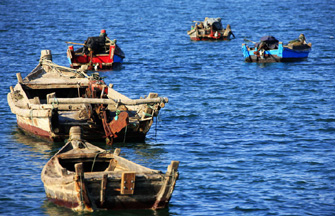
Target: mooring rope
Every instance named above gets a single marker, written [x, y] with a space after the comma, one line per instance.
[95, 157]
[125, 134]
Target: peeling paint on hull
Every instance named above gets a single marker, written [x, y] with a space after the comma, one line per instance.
[34, 130]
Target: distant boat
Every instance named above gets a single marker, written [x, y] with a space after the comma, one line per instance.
[269, 49]
[97, 53]
[210, 29]
[52, 98]
[84, 177]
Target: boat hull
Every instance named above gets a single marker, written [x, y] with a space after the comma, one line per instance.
[144, 197]
[40, 127]
[198, 36]
[282, 54]
[84, 177]
[110, 60]
[52, 119]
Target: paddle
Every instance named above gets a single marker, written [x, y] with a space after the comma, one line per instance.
[74, 43]
[246, 40]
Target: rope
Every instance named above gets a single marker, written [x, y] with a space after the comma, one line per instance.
[53, 102]
[57, 67]
[95, 157]
[125, 133]
[31, 117]
[147, 114]
[156, 127]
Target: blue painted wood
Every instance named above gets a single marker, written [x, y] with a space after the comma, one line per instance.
[281, 53]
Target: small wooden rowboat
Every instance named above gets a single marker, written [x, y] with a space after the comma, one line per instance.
[85, 177]
[271, 50]
[53, 98]
[210, 29]
[97, 52]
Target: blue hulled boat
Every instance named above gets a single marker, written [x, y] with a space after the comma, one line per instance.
[269, 49]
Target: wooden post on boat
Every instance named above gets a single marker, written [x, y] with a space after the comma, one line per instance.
[117, 151]
[103, 188]
[46, 54]
[19, 77]
[171, 176]
[83, 200]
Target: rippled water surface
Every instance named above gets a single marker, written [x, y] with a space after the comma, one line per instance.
[252, 139]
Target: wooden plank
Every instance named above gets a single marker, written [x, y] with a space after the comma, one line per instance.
[128, 183]
[82, 194]
[110, 101]
[84, 155]
[165, 193]
[19, 77]
[103, 189]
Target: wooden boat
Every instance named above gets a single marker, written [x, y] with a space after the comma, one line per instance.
[53, 98]
[271, 50]
[85, 177]
[97, 52]
[210, 29]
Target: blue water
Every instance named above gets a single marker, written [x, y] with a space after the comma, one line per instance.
[252, 139]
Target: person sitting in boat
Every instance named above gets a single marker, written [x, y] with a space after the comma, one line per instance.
[267, 43]
[228, 32]
[298, 42]
[103, 33]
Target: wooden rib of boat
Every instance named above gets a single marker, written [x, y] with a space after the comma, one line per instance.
[53, 98]
[85, 177]
[209, 29]
[278, 53]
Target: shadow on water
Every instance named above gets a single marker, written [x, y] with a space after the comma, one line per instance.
[49, 148]
[36, 144]
[50, 208]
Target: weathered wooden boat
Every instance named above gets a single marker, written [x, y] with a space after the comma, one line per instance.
[53, 98]
[85, 177]
[271, 50]
[210, 29]
[97, 52]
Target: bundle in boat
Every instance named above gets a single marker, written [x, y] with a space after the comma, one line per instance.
[52, 98]
[85, 177]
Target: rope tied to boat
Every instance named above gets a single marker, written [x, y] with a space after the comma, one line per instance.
[95, 157]
[55, 100]
[125, 134]
[46, 62]
[31, 116]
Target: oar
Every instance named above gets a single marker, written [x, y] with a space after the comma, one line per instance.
[74, 43]
[246, 40]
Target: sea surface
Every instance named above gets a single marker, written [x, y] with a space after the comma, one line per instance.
[252, 139]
